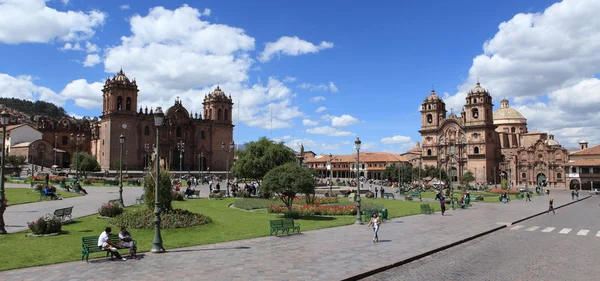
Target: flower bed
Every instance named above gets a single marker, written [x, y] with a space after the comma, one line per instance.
[45, 225]
[144, 218]
[500, 191]
[316, 210]
[318, 200]
[110, 210]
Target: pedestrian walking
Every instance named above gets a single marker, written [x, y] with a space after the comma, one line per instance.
[381, 191]
[376, 191]
[576, 194]
[375, 222]
[573, 194]
[551, 206]
[443, 205]
[528, 197]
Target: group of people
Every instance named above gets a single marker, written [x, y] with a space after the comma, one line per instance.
[125, 241]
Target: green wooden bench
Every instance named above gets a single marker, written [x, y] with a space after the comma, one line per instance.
[111, 182]
[369, 213]
[426, 209]
[89, 244]
[64, 214]
[388, 195]
[139, 200]
[414, 194]
[196, 193]
[114, 201]
[283, 225]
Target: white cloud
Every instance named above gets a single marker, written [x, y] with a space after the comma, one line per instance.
[319, 87]
[317, 99]
[124, 7]
[396, 139]
[328, 131]
[71, 47]
[343, 121]
[31, 21]
[65, 2]
[289, 79]
[24, 88]
[91, 60]
[291, 46]
[88, 96]
[91, 48]
[332, 87]
[311, 145]
[368, 146]
[206, 12]
[543, 56]
[309, 123]
[74, 115]
[320, 109]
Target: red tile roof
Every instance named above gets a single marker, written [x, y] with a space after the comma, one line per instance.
[584, 162]
[594, 150]
[365, 157]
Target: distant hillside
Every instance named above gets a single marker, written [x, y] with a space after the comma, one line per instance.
[34, 108]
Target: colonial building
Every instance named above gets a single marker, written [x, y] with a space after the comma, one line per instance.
[583, 169]
[201, 135]
[492, 145]
[371, 165]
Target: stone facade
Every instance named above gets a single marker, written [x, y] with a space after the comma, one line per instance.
[201, 134]
[372, 164]
[492, 145]
[583, 169]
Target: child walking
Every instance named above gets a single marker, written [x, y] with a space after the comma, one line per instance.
[375, 222]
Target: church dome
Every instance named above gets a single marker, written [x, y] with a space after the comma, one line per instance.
[433, 97]
[218, 95]
[478, 90]
[507, 115]
[121, 77]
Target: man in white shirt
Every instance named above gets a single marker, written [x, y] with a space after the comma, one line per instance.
[105, 244]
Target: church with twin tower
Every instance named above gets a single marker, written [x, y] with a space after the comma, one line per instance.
[201, 132]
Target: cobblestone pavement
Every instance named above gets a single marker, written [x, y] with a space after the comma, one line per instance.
[564, 246]
[327, 254]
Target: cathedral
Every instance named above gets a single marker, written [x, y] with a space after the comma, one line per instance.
[491, 144]
[200, 135]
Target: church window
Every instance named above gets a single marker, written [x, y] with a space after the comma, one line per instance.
[128, 104]
[513, 130]
[428, 152]
[65, 140]
[119, 103]
[146, 131]
[585, 170]
[178, 132]
[202, 134]
[573, 170]
[210, 114]
[476, 150]
[524, 175]
[429, 106]
[226, 116]
[475, 113]
[219, 114]
[429, 118]
[559, 176]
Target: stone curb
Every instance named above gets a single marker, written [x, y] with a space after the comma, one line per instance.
[428, 253]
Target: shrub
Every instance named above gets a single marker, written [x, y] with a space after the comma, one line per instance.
[87, 182]
[215, 195]
[164, 190]
[316, 210]
[110, 210]
[291, 215]
[178, 196]
[316, 200]
[256, 203]
[243, 194]
[45, 225]
[500, 191]
[479, 197]
[144, 219]
[369, 194]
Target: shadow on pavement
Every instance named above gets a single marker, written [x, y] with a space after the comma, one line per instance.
[317, 218]
[213, 249]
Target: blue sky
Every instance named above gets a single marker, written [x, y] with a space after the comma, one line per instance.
[369, 64]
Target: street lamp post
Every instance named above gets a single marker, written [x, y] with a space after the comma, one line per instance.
[43, 158]
[201, 167]
[55, 140]
[148, 149]
[231, 146]
[181, 148]
[121, 142]
[330, 173]
[4, 118]
[77, 141]
[157, 243]
[358, 212]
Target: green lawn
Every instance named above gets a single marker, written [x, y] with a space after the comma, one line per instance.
[228, 224]
[17, 196]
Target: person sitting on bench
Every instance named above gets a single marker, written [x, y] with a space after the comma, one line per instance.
[51, 194]
[105, 244]
[127, 242]
[78, 188]
[189, 191]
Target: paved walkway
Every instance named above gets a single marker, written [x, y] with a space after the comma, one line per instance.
[327, 254]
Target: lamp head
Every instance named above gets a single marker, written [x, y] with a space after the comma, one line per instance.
[222, 145]
[121, 139]
[357, 143]
[4, 118]
[72, 137]
[159, 117]
[231, 145]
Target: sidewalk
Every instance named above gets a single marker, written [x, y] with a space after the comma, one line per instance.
[327, 254]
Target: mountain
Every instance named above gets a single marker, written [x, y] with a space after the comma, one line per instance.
[23, 110]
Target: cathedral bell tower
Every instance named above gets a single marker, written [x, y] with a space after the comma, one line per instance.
[433, 111]
[119, 95]
[479, 107]
[218, 107]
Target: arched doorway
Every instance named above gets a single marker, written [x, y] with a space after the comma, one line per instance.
[540, 179]
[66, 160]
[575, 184]
[453, 174]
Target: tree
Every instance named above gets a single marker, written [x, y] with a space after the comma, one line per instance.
[165, 194]
[391, 173]
[260, 157]
[504, 184]
[466, 178]
[15, 160]
[85, 163]
[405, 174]
[288, 180]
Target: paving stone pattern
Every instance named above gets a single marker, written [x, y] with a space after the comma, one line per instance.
[327, 254]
